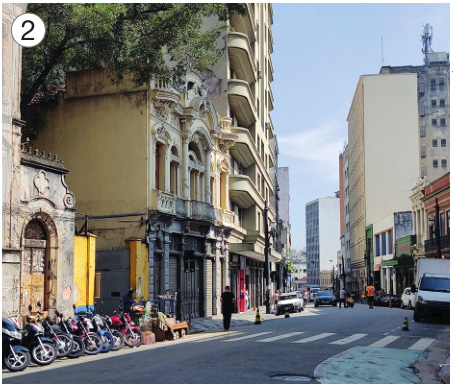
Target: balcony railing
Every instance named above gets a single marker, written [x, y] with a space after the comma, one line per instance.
[431, 244]
[202, 211]
[163, 202]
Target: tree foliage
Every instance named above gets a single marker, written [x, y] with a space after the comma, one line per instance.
[139, 40]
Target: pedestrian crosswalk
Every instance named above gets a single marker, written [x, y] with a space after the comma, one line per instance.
[333, 338]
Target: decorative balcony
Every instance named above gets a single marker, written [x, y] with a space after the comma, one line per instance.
[242, 102]
[163, 202]
[243, 192]
[244, 149]
[431, 245]
[241, 56]
[202, 211]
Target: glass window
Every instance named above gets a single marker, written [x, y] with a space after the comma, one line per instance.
[434, 121]
[423, 151]
[390, 241]
[422, 131]
[434, 142]
[433, 103]
[377, 245]
[383, 244]
[444, 163]
[443, 142]
[435, 163]
[442, 103]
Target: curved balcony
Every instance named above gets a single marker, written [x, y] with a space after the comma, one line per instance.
[241, 57]
[242, 102]
[244, 149]
[245, 23]
[243, 192]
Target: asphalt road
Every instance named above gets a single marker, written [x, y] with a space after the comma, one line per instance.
[319, 345]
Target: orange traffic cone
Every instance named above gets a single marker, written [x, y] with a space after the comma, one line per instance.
[390, 303]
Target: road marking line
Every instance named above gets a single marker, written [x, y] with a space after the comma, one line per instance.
[385, 341]
[422, 344]
[217, 337]
[280, 337]
[248, 336]
[315, 337]
[349, 339]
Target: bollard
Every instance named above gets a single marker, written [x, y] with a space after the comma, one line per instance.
[390, 303]
[405, 325]
[257, 318]
[286, 314]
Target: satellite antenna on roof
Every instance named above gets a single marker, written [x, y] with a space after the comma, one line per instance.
[426, 39]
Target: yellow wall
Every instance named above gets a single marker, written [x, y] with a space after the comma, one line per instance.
[139, 268]
[84, 270]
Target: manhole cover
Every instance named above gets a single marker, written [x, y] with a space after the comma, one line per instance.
[290, 378]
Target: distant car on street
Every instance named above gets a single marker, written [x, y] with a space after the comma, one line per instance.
[291, 302]
[408, 299]
[313, 292]
[325, 298]
[384, 300]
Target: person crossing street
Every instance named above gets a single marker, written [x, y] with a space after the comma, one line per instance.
[370, 293]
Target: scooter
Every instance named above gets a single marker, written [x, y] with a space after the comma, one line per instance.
[15, 357]
[133, 337]
[42, 349]
[78, 347]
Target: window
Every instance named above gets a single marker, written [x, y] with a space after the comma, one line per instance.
[422, 131]
[390, 241]
[423, 151]
[443, 142]
[423, 172]
[434, 142]
[421, 110]
[433, 84]
[434, 121]
[421, 88]
[383, 244]
[435, 163]
[377, 245]
[444, 163]
[442, 121]
[441, 82]
[442, 103]
[433, 103]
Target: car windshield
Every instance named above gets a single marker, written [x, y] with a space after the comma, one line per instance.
[324, 293]
[286, 297]
[437, 284]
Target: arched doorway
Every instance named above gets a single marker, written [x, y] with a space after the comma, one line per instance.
[34, 285]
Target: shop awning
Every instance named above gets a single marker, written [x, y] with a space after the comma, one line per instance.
[389, 263]
[403, 261]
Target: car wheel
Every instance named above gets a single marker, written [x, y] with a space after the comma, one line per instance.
[316, 304]
[416, 317]
[402, 305]
[409, 307]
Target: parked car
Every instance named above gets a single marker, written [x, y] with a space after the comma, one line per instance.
[291, 302]
[325, 298]
[384, 300]
[408, 299]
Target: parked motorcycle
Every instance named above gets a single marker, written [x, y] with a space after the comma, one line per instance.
[98, 327]
[42, 349]
[15, 356]
[107, 325]
[91, 341]
[78, 347]
[62, 341]
[133, 337]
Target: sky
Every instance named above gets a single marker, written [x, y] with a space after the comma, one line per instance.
[320, 52]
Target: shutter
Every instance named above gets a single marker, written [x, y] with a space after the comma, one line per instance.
[208, 292]
[173, 285]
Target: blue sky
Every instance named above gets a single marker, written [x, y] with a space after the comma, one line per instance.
[320, 51]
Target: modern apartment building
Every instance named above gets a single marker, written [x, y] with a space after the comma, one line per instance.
[322, 219]
[383, 161]
[433, 96]
[241, 93]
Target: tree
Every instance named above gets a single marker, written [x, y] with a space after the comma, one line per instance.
[137, 40]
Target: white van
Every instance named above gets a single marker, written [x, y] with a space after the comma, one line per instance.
[313, 292]
[433, 297]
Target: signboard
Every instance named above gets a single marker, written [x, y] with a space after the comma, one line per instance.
[403, 224]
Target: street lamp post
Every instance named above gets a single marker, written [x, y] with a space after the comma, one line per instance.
[266, 259]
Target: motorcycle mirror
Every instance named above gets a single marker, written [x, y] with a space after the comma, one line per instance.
[38, 304]
[30, 307]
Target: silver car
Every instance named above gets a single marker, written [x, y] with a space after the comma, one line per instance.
[408, 299]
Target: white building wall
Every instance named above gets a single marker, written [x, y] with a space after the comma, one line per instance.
[329, 232]
[283, 183]
[391, 143]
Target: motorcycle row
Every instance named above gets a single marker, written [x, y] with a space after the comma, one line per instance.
[43, 339]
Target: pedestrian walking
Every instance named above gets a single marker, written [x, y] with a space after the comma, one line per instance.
[247, 302]
[370, 293]
[276, 296]
[227, 300]
[342, 298]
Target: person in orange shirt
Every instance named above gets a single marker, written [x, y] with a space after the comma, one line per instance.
[370, 293]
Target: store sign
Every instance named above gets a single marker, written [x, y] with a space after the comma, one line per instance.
[377, 267]
[243, 260]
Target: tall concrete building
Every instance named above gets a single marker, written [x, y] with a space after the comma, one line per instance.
[283, 185]
[383, 161]
[322, 219]
[433, 96]
[240, 88]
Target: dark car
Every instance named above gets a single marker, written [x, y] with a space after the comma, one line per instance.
[325, 298]
[384, 300]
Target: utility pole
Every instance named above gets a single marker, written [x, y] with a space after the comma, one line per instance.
[266, 259]
[437, 232]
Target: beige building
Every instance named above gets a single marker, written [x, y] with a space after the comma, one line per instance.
[383, 160]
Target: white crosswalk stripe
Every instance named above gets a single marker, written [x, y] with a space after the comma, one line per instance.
[218, 337]
[422, 344]
[384, 341]
[278, 337]
[315, 337]
[349, 339]
[248, 336]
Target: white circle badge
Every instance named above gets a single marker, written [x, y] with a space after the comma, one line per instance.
[28, 30]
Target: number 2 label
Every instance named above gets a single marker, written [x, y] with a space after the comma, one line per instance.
[28, 30]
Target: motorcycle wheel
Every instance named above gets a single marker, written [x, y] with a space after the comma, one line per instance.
[78, 347]
[134, 338]
[118, 340]
[44, 355]
[19, 364]
[107, 341]
[66, 339]
[92, 344]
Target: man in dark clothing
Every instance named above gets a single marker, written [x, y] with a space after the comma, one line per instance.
[128, 300]
[227, 300]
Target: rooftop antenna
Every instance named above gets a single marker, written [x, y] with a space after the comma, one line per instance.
[426, 39]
